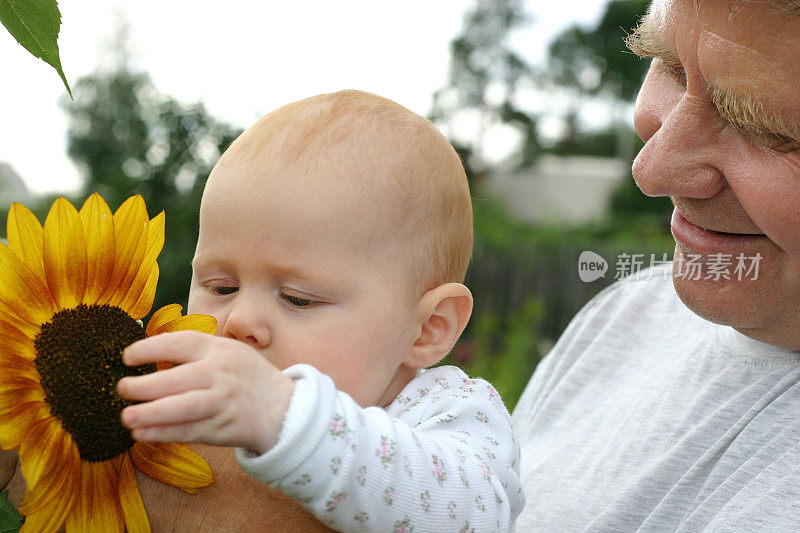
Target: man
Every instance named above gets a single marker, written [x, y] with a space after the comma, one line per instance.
[673, 402]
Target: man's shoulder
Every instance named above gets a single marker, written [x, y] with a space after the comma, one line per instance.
[626, 322]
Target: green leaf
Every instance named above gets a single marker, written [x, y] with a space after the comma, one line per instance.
[10, 519]
[35, 25]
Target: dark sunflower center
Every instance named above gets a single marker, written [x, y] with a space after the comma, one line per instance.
[79, 359]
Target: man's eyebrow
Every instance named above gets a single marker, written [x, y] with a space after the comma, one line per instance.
[644, 41]
[748, 113]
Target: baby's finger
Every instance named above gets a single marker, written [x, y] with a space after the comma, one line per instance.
[190, 406]
[164, 383]
[176, 347]
[187, 432]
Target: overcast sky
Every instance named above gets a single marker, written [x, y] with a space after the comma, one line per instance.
[242, 59]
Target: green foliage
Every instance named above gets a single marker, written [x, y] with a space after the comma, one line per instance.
[486, 73]
[596, 60]
[35, 25]
[130, 140]
[10, 519]
[503, 354]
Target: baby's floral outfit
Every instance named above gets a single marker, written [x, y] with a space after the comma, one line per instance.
[441, 457]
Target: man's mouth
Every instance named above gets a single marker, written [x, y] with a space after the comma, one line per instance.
[724, 232]
[707, 241]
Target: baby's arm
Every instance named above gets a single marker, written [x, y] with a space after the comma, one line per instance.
[446, 462]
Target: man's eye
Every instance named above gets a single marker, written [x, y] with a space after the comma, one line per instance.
[780, 143]
[298, 302]
[223, 290]
[675, 72]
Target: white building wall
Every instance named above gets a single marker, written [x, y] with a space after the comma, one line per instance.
[573, 189]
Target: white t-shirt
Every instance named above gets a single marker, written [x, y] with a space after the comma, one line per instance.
[441, 457]
[646, 417]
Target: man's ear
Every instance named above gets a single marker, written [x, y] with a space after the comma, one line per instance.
[444, 312]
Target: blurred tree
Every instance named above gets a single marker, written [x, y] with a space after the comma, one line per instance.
[595, 61]
[485, 73]
[130, 140]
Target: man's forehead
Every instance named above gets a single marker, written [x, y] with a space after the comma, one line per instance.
[750, 23]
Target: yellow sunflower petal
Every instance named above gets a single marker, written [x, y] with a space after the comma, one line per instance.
[98, 228]
[130, 234]
[161, 317]
[97, 507]
[65, 254]
[15, 341]
[50, 464]
[50, 518]
[20, 380]
[201, 323]
[22, 293]
[16, 423]
[140, 307]
[140, 295]
[175, 464]
[14, 388]
[25, 238]
[8, 316]
[136, 519]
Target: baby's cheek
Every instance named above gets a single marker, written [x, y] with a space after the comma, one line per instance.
[358, 385]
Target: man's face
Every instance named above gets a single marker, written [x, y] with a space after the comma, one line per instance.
[719, 112]
[289, 264]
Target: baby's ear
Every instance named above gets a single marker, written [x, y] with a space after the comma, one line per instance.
[444, 312]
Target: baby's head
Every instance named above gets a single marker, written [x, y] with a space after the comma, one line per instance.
[336, 231]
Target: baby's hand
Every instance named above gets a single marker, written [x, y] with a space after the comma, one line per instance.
[222, 392]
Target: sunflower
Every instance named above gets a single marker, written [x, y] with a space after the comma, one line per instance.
[71, 296]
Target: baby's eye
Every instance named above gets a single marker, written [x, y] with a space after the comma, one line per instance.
[298, 302]
[223, 290]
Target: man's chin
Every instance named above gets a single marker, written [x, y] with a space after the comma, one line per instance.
[719, 302]
[765, 307]
[724, 295]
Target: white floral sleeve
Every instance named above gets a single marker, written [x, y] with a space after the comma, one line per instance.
[442, 457]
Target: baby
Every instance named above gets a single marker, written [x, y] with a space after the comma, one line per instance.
[334, 238]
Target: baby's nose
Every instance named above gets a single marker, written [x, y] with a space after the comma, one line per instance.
[248, 327]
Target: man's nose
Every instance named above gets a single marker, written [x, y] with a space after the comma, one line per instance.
[245, 322]
[682, 149]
